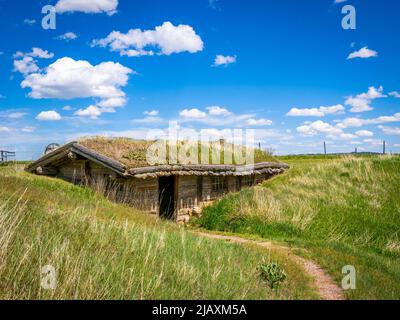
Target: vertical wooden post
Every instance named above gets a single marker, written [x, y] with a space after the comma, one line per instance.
[324, 147]
[384, 147]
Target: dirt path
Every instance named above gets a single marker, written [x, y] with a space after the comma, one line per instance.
[326, 287]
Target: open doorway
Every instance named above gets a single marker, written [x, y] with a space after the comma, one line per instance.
[166, 189]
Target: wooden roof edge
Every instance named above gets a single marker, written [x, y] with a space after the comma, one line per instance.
[43, 160]
[215, 168]
[75, 147]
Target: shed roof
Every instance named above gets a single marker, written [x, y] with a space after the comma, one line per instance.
[127, 157]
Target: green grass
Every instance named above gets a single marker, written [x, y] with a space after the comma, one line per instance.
[101, 250]
[344, 210]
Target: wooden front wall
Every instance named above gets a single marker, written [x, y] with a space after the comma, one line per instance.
[191, 194]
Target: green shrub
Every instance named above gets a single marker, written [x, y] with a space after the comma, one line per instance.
[272, 273]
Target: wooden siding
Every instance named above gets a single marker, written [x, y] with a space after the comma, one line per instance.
[191, 193]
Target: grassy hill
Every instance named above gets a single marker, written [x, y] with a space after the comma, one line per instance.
[101, 250]
[344, 210]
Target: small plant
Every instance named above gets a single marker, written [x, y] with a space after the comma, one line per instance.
[272, 273]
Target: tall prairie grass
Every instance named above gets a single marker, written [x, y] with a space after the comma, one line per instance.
[102, 250]
[345, 209]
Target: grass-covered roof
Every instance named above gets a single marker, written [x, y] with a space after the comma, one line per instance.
[132, 153]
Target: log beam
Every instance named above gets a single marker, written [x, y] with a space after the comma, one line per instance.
[46, 171]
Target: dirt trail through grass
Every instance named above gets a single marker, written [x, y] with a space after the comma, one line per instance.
[326, 287]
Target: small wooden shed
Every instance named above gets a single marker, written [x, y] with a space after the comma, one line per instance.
[170, 191]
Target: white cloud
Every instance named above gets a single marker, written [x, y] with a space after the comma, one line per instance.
[16, 115]
[152, 113]
[92, 6]
[35, 53]
[193, 114]
[218, 111]
[362, 102]
[92, 112]
[48, 116]
[28, 129]
[24, 62]
[4, 129]
[221, 60]
[373, 142]
[30, 22]
[149, 120]
[167, 38]
[364, 133]
[316, 112]
[40, 53]
[346, 136]
[112, 102]
[306, 112]
[358, 122]
[340, 1]
[26, 65]
[337, 109]
[317, 127]
[67, 36]
[394, 94]
[259, 122]
[67, 108]
[68, 79]
[363, 53]
[390, 130]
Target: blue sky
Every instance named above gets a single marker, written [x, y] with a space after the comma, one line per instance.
[285, 68]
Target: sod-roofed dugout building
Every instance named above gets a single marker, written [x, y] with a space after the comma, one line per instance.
[119, 167]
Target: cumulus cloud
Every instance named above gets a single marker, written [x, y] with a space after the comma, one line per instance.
[25, 62]
[93, 112]
[362, 102]
[394, 94]
[35, 53]
[316, 112]
[318, 127]
[92, 6]
[358, 122]
[67, 36]
[395, 131]
[336, 109]
[151, 113]
[259, 122]
[48, 116]
[163, 40]
[363, 53]
[4, 129]
[221, 60]
[193, 114]
[219, 116]
[364, 133]
[112, 103]
[68, 79]
[26, 65]
[40, 53]
[218, 111]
